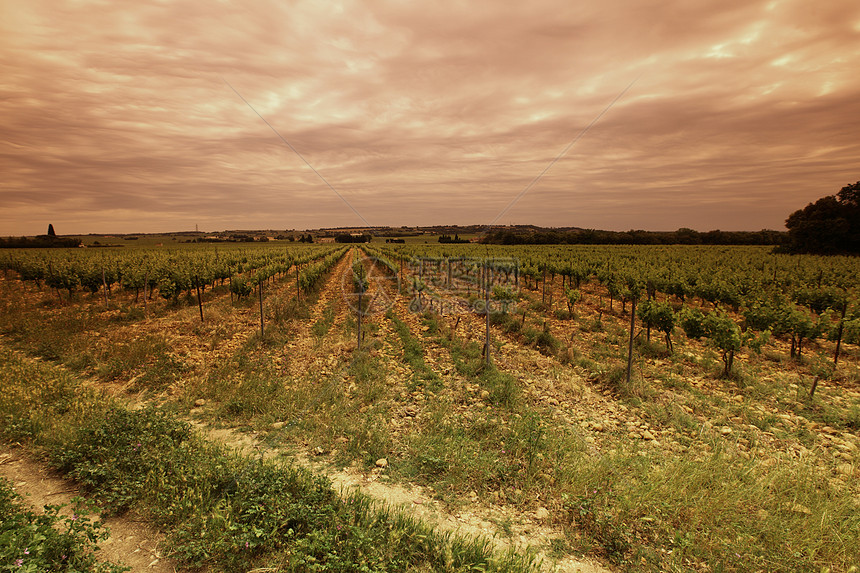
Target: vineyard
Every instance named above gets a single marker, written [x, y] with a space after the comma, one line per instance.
[674, 408]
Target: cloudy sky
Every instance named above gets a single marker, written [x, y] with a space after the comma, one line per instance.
[131, 115]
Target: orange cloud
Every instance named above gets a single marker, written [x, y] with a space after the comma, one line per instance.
[116, 115]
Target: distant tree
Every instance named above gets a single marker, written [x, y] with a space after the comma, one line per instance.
[829, 226]
[40, 242]
[687, 236]
[683, 236]
[51, 232]
[349, 238]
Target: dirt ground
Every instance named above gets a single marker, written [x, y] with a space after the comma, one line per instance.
[132, 542]
[473, 521]
[135, 544]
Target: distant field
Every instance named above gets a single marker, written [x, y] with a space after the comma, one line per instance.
[146, 240]
[420, 239]
[138, 241]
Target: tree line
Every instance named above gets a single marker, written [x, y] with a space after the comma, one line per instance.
[39, 242]
[830, 226]
[597, 237]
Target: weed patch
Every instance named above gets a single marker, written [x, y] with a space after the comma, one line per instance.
[233, 513]
[321, 327]
[33, 542]
[413, 355]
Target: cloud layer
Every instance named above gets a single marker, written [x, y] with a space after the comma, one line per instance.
[121, 115]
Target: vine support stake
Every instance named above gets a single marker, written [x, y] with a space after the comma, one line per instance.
[104, 286]
[812, 390]
[630, 344]
[360, 292]
[839, 334]
[487, 313]
[261, 310]
[199, 298]
[543, 282]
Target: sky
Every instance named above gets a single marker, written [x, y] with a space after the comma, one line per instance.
[167, 115]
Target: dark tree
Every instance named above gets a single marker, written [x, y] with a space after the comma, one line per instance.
[349, 238]
[51, 232]
[829, 226]
[448, 239]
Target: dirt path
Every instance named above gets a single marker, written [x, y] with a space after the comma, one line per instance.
[471, 520]
[305, 352]
[132, 542]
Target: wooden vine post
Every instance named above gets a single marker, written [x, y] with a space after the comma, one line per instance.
[51, 275]
[839, 334]
[358, 280]
[630, 344]
[360, 293]
[814, 386]
[199, 298]
[487, 312]
[104, 286]
[261, 310]
[543, 282]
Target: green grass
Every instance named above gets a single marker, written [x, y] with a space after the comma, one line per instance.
[413, 355]
[32, 542]
[507, 321]
[220, 509]
[66, 335]
[321, 327]
[469, 360]
[514, 457]
[542, 339]
[734, 514]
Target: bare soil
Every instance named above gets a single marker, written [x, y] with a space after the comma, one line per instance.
[132, 542]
